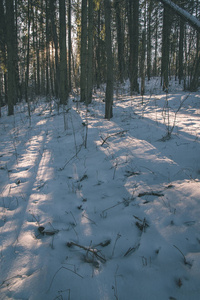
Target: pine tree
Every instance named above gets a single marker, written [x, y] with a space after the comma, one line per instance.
[63, 54]
[109, 80]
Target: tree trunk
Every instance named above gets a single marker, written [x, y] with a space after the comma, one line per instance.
[63, 54]
[90, 53]
[10, 55]
[120, 41]
[69, 47]
[165, 48]
[47, 48]
[180, 55]
[83, 79]
[149, 39]
[142, 64]
[3, 47]
[133, 23]
[109, 81]
[193, 21]
[55, 40]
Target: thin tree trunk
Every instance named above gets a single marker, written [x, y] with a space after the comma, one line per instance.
[142, 64]
[27, 57]
[10, 55]
[133, 23]
[180, 55]
[63, 54]
[83, 79]
[165, 48]
[120, 41]
[55, 40]
[69, 47]
[90, 53]
[149, 38]
[109, 81]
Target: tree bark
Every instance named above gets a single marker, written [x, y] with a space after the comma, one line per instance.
[133, 24]
[193, 21]
[90, 53]
[83, 79]
[120, 41]
[165, 48]
[63, 54]
[55, 40]
[10, 55]
[69, 47]
[109, 81]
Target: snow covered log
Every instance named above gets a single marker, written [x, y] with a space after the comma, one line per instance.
[192, 20]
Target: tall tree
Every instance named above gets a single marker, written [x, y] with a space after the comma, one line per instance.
[120, 40]
[63, 54]
[28, 52]
[10, 55]
[149, 38]
[3, 50]
[180, 55]
[133, 24]
[167, 21]
[83, 79]
[109, 80]
[52, 7]
[90, 52]
[69, 46]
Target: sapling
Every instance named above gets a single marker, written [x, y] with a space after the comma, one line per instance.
[166, 115]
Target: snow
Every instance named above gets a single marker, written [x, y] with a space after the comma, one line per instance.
[98, 209]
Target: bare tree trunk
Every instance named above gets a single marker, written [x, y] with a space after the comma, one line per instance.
[83, 79]
[193, 21]
[55, 40]
[120, 41]
[63, 54]
[109, 81]
[69, 47]
[10, 55]
[165, 48]
[133, 24]
[90, 53]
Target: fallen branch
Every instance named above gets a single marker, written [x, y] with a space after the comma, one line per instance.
[158, 194]
[88, 249]
[111, 135]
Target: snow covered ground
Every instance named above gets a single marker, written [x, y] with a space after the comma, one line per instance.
[98, 209]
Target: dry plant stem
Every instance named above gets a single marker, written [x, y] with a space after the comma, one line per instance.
[87, 249]
[115, 287]
[59, 271]
[111, 135]
[170, 130]
[75, 155]
[118, 236]
[73, 218]
[83, 215]
[74, 135]
[185, 261]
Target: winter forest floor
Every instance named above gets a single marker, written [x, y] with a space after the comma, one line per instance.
[97, 209]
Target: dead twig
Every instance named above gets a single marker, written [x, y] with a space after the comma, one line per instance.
[111, 135]
[88, 249]
[157, 194]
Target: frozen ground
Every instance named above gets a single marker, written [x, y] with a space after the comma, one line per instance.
[96, 209]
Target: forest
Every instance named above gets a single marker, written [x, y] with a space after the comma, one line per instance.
[99, 150]
[51, 48]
